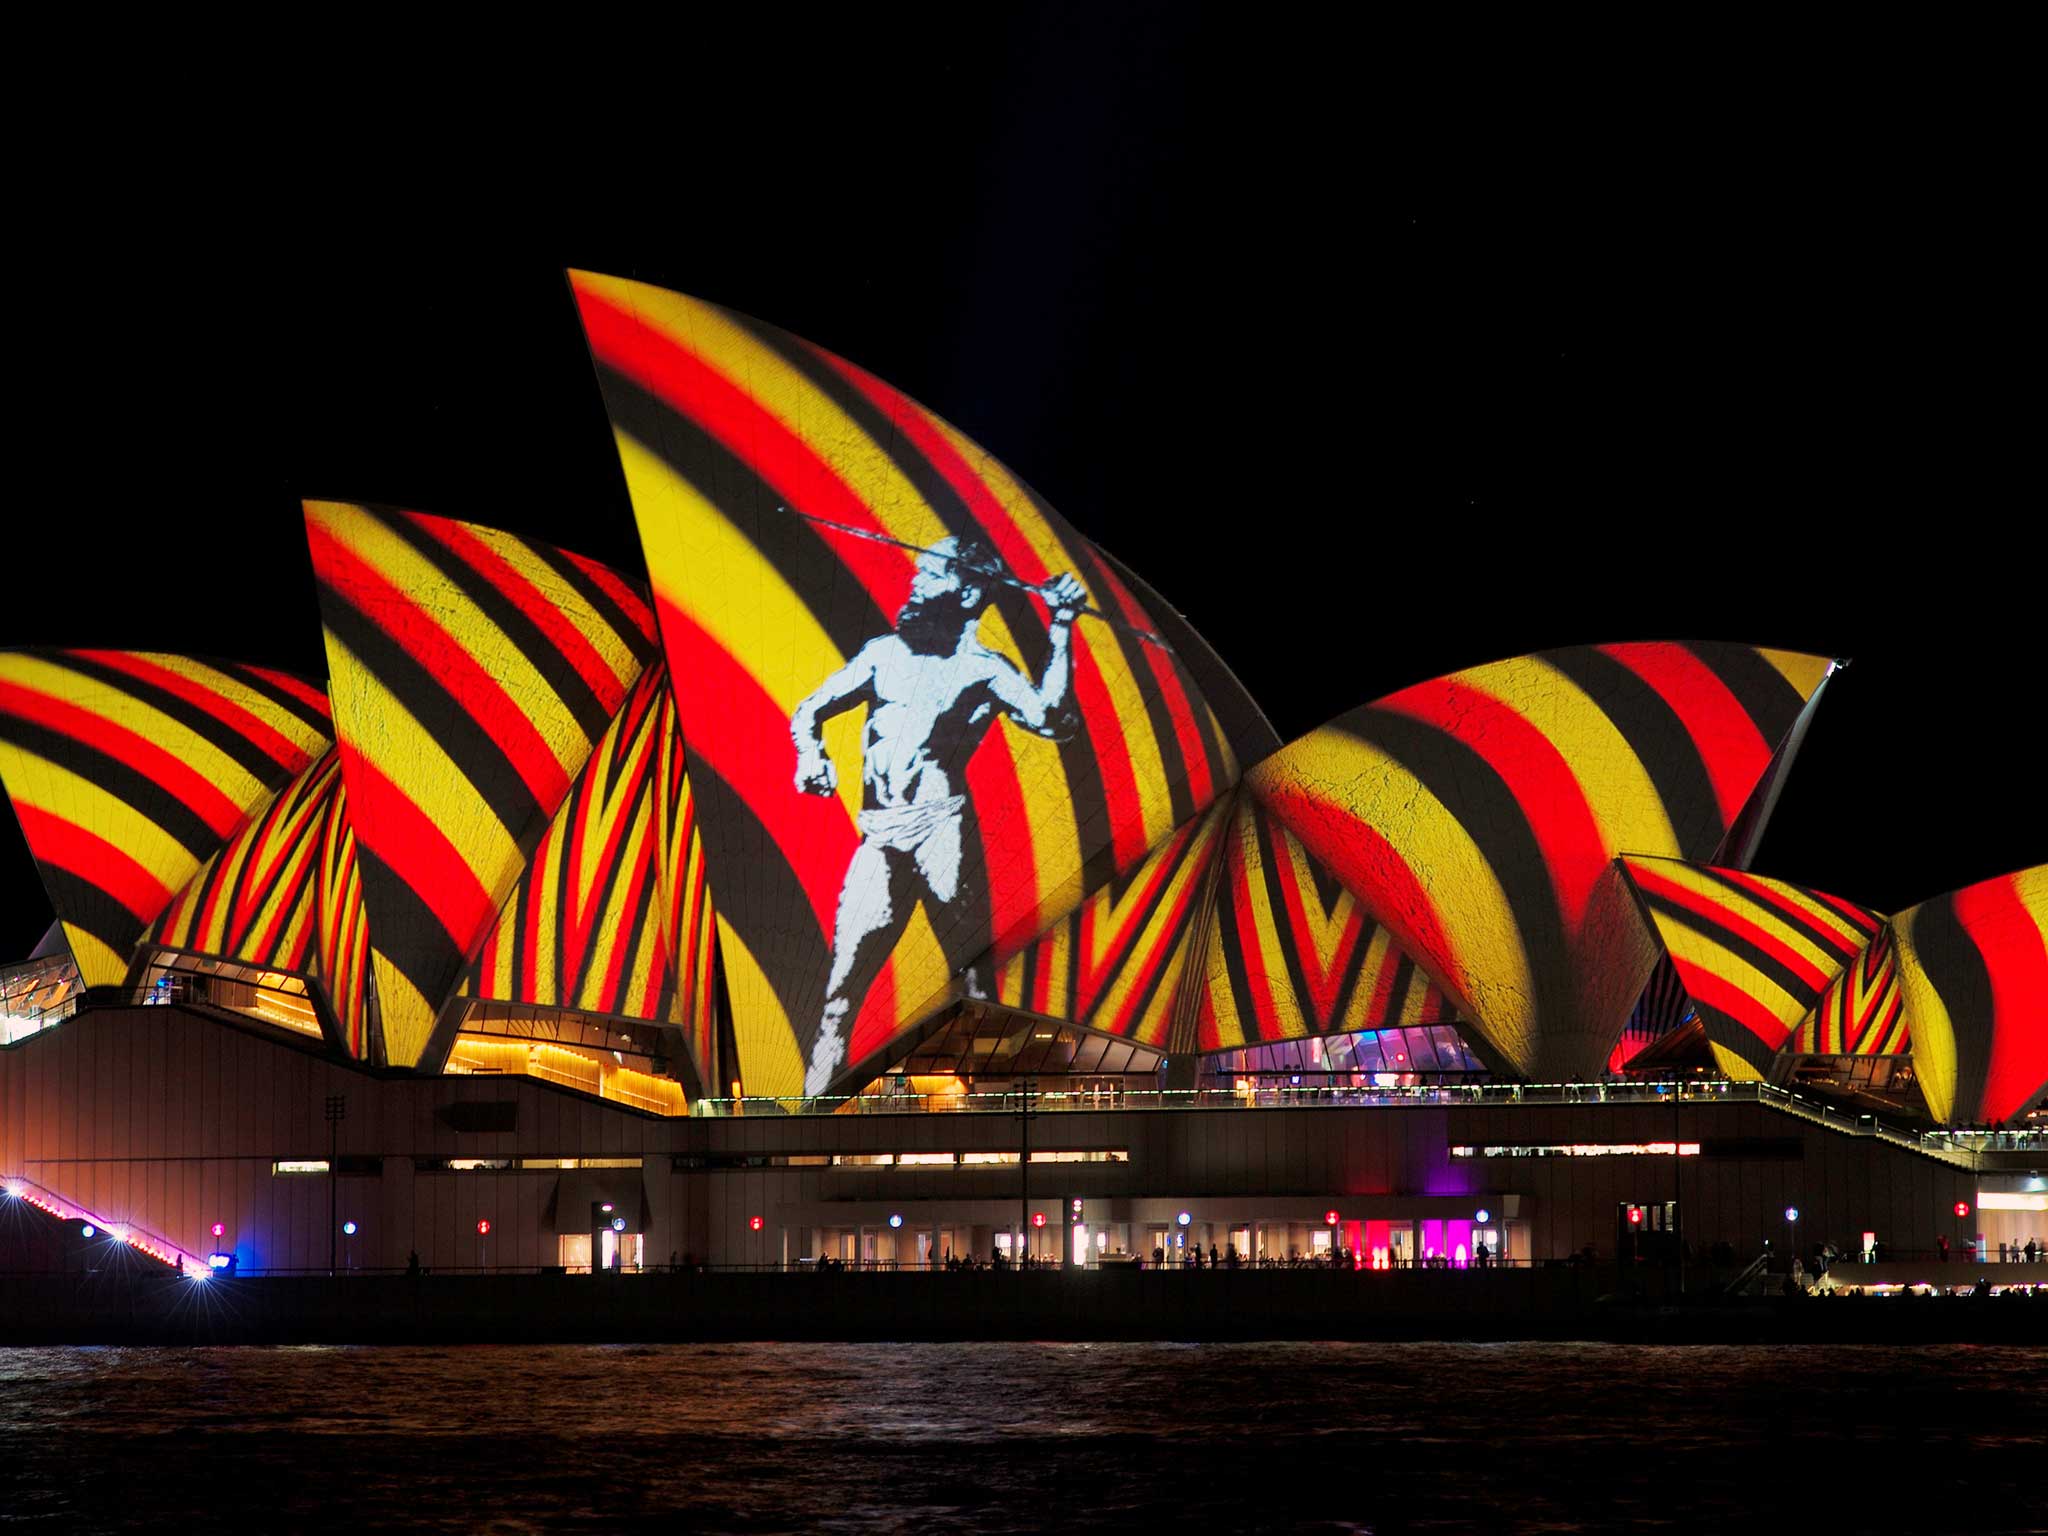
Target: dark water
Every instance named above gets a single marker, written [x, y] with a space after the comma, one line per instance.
[1019, 1437]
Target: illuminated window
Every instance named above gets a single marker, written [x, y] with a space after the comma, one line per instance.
[925, 1159]
[300, 1166]
[1585, 1149]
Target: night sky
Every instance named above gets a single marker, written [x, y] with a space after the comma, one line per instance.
[1364, 416]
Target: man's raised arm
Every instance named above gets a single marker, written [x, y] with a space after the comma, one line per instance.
[815, 774]
[1044, 708]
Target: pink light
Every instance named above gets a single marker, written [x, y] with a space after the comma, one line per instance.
[156, 1248]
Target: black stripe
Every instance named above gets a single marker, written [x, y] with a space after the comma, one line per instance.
[1206, 721]
[1955, 968]
[1472, 791]
[409, 935]
[473, 750]
[1283, 923]
[82, 904]
[636, 935]
[1793, 984]
[290, 703]
[259, 764]
[103, 770]
[1397, 991]
[793, 548]
[1659, 740]
[541, 653]
[1158, 716]
[622, 623]
[1827, 943]
[1760, 688]
[761, 897]
[1229, 894]
[1354, 967]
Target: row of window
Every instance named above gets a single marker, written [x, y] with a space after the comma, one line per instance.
[896, 1159]
[374, 1165]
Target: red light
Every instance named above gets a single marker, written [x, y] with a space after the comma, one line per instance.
[1635, 1215]
[1038, 1218]
[220, 1229]
[755, 1223]
[1962, 1208]
[483, 1229]
[1330, 1218]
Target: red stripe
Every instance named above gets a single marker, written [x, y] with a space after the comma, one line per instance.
[1127, 916]
[415, 627]
[1380, 1012]
[1732, 920]
[630, 599]
[419, 853]
[1112, 757]
[176, 778]
[1729, 743]
[666, 367]
[1246, 889]
[1369, 866]
[742, 735]
[1998, 924]
[1187, 732]
[298, 688]
[260, 733]
[876, 1023]
[1007, 853]
[1764, 892]
[542, 612]
[1552, 799]
[1149, 964]
[1321, 972]
[1710, 991]
[93, 859]
[1864, 919]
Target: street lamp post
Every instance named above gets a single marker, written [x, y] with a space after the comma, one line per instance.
[1791, 1247]
[1024, 1114]
[337, 1111]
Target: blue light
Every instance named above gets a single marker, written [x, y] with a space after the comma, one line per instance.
[88, 1230]
[1183, 1218]
[618, 1223]
[348, 1229]
[895, 1221]
[217, 1260]
[1791, 1213]
[1482, 1215]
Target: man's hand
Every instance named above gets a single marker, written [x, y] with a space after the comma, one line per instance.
[1065, 595]
[815, 774]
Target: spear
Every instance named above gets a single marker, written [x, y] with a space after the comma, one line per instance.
[1150, 637]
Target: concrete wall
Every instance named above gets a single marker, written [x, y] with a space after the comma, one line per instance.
[172, 1120]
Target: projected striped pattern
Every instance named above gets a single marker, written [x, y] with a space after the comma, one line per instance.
[470, 672]
[1292, 953]
[777, 487]
[341, 931]
[683, 886]
[254, 901]
[1479, 814]
[1755, 955]
[1116, 965]
[1863, 1011]
[584, 926]
[1974, 968]
[130, 769]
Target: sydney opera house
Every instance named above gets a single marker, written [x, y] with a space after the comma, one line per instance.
[893, 875]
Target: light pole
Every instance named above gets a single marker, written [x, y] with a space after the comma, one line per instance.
[1791, 1247]
[337, 1111]
[1024, 1113]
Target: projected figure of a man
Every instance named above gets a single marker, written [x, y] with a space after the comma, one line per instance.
[932, 691]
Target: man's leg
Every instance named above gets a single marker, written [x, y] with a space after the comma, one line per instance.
[866, 910]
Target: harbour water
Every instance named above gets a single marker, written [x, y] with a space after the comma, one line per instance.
[1023, 1437]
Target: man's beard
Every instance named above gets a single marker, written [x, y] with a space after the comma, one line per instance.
[932, 627]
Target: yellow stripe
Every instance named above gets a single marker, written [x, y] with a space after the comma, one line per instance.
[1730, 967]
[1732, 1066]
[548, 929]
[1803, 672]
[1933, 1032]
[1689, 948]
[610, 645]
[167, 732]
[306, 738]
[58, 792]
[1618, 789]
[1379, 954]
[408, 1018]
[458, 622]
[1493, 989]
[1157, 933]
[98, 966]
[770, 1066]
[408, 754]
[810, 414]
